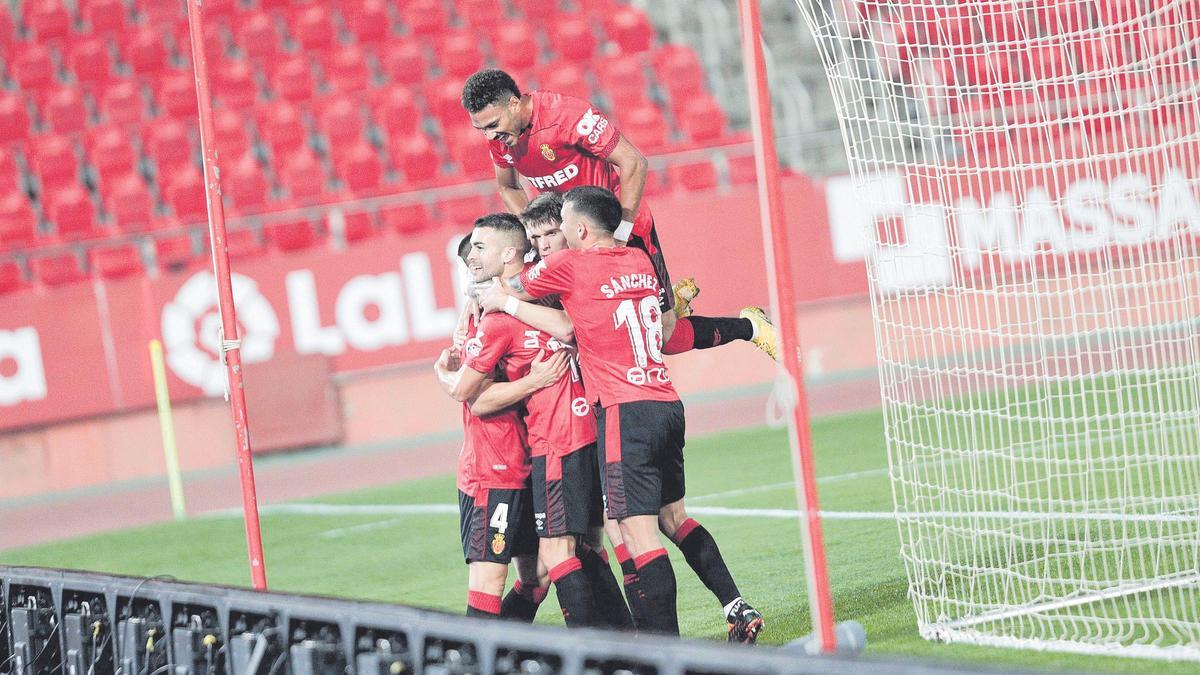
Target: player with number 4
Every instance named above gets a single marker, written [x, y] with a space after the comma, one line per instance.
[611, 294]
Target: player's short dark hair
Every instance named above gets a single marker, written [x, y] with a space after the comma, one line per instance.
[597, 203]
[487, 87]
[507, 225]
[545, 208]
[464, 247]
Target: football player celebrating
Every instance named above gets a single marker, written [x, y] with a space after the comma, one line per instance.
[560, 423]
[611, 293]
[560, 142]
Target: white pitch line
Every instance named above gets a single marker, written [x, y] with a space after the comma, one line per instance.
[721, 511]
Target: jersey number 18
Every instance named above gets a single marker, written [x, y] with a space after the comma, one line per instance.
[645, 328]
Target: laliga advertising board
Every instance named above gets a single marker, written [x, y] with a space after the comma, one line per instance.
[81, 350]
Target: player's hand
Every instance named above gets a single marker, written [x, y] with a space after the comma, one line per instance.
[547, 371]
[460, 330]
[493, 297]
[449, 360]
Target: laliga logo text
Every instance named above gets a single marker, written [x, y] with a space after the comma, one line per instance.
[191, 323]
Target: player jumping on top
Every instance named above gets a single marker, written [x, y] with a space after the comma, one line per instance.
[560, 142]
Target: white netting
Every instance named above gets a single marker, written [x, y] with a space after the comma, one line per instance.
[1024, 184]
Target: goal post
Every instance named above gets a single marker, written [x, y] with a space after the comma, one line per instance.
[1025, 186]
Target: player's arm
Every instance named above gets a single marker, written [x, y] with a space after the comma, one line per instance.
[547, 319]
[468, 385]
[448, 368]
[496, 396]
[632, 167]
[511, 192]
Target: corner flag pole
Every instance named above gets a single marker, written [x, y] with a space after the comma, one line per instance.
[778, 255]
[231, 345]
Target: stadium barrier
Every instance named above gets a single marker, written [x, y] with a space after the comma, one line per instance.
[84, 623]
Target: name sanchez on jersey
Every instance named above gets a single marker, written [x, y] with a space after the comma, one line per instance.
[625, 282]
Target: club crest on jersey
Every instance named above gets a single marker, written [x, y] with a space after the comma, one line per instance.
[498, 544]
[473, 346]
[548, 153]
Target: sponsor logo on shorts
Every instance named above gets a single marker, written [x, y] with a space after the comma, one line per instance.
[539, 521]
[498, 544]
[548, 153]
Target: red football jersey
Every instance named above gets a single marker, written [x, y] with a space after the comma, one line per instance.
[558, 417]
[611, 295]
[495, 452]
[566, 145]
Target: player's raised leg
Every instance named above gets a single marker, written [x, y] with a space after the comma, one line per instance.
[526, 595]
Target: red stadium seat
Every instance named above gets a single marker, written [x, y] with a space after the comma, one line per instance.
[185, 196]
[459, 54]
[679, 71]
[293, 80]
[742, 170]
[121, 103]
[8, 29]
[130, 205]
[630, 29]
[88, 60]
[146, 52]
[425, 18]
[565, 78]
[624, 81]
[177, 96]
[462, 210]
[175, 253]
[235, 87]
[57, 270]
[14, 120]
[303, 177]
[291, 236]
[404, 62]
[257, 37]
[479, 15]
[48, 19]
[358, 226]
[693, 177]
[359, 168]
[240, 243]
[545, 11]
[312, 26]
[169, 146]
[64, 111]
[645, 127]
[18, 222]
[369, 22]
[341, 123]
[54, 162]
[12, 279]
[444, 99]
[10, 173]
[396, 112]
[111, 152]
[417, 158]
[72, 213]
[572, 39]
[106, 17]
[116, 262]
[32, 67]
[245, 186]
[283, 129]
[515, 46]
[406, 219]
[471, 154]
[347, 70]
[229, 129]
[703, 121]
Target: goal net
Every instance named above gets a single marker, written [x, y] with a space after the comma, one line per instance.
[1024, 182]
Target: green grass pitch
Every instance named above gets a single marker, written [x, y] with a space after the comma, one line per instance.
[416, 559]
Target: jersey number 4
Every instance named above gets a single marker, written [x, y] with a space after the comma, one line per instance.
[645, 328]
